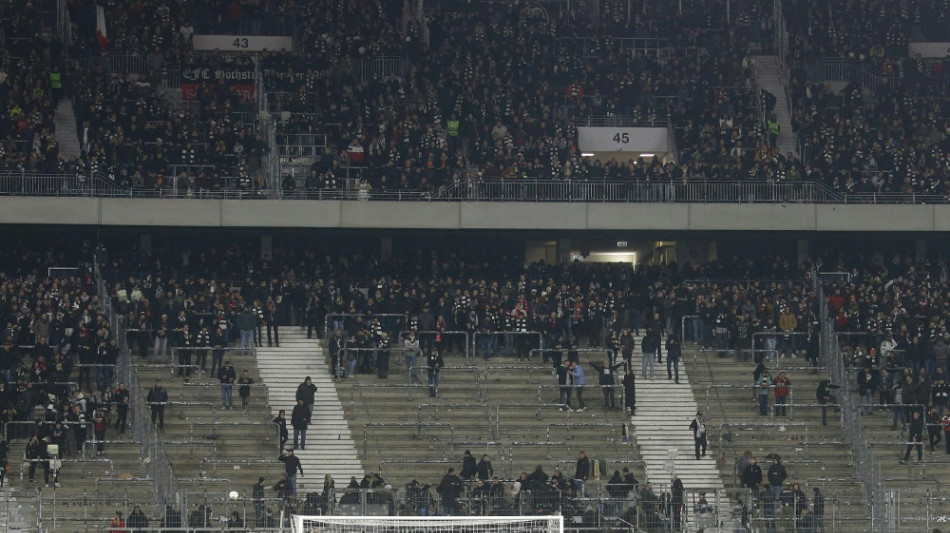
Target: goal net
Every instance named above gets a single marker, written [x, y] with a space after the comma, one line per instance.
[433, 524]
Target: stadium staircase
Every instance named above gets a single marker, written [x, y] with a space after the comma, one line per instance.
[665, 410]
[814, 455]
[66, 134]
[330, 447]
[768, 76]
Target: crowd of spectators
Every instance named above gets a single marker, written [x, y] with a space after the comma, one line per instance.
[30, 54]
[483, 91]
[892, 139]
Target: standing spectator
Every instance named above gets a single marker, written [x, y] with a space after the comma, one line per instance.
[484, 469]
[283, 487]
[291, 467]
[630, 392]
[648, 347]
[202, 343]
[605, 378]
[703, 511]
[563, 371]
[305, 393]
[245, 324]
[769, 506]
[777, 475]
[934, 427]
[449, 489]
[270, 318]
[185, 343]
[121, 399]
[382, 355]
[118, 523]
[698, 425]
[298, 419]
[752, 476]
[469, 467]
[138, 522]
[157, 399]
[823, 393]
[217, 342]
[627, 344]
[677, 499]
[337, 344]
[77, 419]
[244, 388]
[762, 390]
[582, 471]
[411, 348]
[577, 376]
[782, 389]
[281, 421]
[673, 352]
[257, 495]
[867, 385]
[818, 509]
[915, 438]
[161, 337]
[226, 376]
[617, 492]
[434, 366]
[99, 431]
[172, 517]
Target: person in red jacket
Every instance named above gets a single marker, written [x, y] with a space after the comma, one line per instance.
[118, 523]
[782, 389]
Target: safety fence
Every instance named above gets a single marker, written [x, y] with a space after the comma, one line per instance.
[469, 189]
[864, 461]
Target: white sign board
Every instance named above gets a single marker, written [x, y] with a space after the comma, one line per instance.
[607, 139]
[940, 50]
[243, 43]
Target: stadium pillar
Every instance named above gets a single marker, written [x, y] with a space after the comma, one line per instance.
[564, 250]
[385, 248]
[802, 250]
[145, 243]
[920, 249]
[267, 246]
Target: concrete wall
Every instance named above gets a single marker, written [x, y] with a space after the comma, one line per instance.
[472, 215]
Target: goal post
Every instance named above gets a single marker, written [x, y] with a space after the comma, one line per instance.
[422, 524]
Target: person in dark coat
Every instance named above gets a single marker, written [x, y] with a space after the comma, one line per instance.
[915, 437]
[306, 392]
[137, 520]
[298, 419]
[469, 467]
[606, 380]
[630, 392]
[752, 476]
[673, 351]
[449, 489]
[818, 509]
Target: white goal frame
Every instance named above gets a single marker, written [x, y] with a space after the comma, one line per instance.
[434, 524]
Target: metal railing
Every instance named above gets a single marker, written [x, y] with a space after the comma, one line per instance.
[690, 190]
[158, 466]
[383, 67]
[864, 461]
[844, 70]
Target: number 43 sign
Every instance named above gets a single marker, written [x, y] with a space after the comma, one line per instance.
[243, 43]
